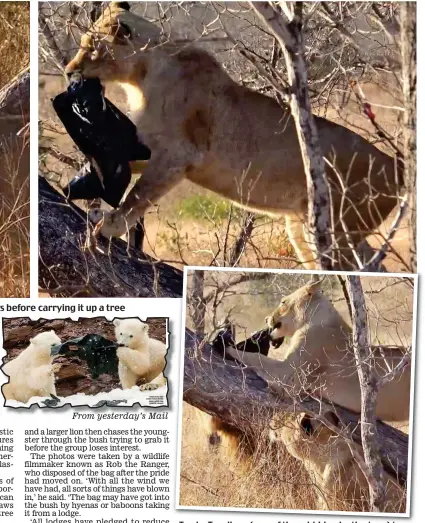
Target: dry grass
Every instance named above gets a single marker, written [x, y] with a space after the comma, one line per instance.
[218, 478]
[269, 479]
[15, 45]
[14, 234]
[14, 158]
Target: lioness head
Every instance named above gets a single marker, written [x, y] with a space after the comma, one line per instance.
[303, 435]
[289, 317]
[111, 48]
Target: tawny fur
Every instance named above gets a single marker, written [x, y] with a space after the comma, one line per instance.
[241, 144]
[221, 432]
[141, 359]
[31, 373]
[320, 359]
[330, 462]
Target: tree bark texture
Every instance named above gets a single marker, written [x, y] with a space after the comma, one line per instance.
[197, 303]
[408, 60]
[107, 268]
[369, 392]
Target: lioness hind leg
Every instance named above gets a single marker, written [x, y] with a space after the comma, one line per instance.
[343, 255]
[352, 252]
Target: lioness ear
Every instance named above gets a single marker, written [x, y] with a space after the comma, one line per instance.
[332, 417]
[313, 286]
[122, 32]
[306, 424]
[116, 323]
[121, 5]
[145, 327]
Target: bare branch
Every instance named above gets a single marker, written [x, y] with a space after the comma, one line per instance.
[369, 392]
[290, 37]
[408, 53]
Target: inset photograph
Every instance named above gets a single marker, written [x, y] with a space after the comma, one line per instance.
[14, 150]
[297, 391]
[91, 362]
[252, 159]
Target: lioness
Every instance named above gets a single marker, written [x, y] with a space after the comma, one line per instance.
[330, 463]
[319, 357]
[201, 125]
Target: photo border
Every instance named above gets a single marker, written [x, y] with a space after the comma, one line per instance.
[387, 515]
[69, 404]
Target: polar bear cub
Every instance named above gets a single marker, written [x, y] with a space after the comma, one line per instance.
[141, 359]
[32, 372]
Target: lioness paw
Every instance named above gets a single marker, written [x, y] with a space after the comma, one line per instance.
[96, 215]
[107, 224]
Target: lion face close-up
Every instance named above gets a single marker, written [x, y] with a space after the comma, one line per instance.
[111, 49]
[288, 317]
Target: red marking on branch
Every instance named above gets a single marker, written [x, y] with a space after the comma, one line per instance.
[368, 111]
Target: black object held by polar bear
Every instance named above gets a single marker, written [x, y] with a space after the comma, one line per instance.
[104, 135]
[99, 353]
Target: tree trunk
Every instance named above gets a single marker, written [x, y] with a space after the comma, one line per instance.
[107, 268]
[247, 226]
[197, 303]
[369, 393]
[242, 399]
[291, 40]
[15, 96]
[408, 60]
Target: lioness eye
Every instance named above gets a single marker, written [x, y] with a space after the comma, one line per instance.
[120, 333]
[130, 336]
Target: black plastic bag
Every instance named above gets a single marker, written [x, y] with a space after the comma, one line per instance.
[99, 352]
[258, 342]
[106, 136]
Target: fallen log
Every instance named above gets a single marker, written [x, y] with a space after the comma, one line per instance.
[106, 269]
[15, 96]
[242, 399]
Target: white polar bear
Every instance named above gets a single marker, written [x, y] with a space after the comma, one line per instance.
[32, 372]
[141, 359]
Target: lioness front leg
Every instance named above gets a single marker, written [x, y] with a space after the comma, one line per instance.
[163, 172]
[282, 376]
[296, 231]
[279, 375]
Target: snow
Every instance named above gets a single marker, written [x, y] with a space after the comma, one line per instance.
[133, 396]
